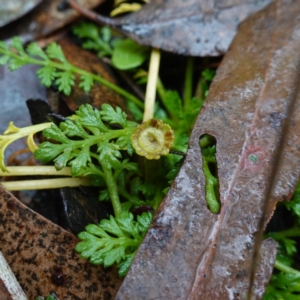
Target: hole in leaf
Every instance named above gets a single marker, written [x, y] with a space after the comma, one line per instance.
[209, 166]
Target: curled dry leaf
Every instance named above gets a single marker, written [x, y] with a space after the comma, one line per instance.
[189, 27]
[42, 256]
[190, 253]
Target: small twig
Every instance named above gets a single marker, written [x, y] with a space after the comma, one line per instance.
[92, 15]
[151, 84]
[11, 284]
[136, 89]
[177, 152]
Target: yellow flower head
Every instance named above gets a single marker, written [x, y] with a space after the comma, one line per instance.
[152, 139]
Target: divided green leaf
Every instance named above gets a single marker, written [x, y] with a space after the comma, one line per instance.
[65, 80]
[54, 51]
[113, 116]
[46, 75]
[114, 241]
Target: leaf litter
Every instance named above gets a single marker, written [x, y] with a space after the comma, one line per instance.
[247, 121]
[190, 253]
[187, 27]
[41, 255]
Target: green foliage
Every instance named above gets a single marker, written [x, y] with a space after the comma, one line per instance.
[283, 286]
[52, 296]
[286, 283]
[92, 127]
[125, 54]
[55, 68]
[182, 117]
[114, 241]
[97, 143]
[208, 150]
[95, 39]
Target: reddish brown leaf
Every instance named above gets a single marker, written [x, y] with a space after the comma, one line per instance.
[190, 253]
[99, 93]
[190, 27]
[43, 20]
[42, 256]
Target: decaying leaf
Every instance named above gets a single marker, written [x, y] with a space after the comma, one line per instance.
[189, 27]
[43, 20]
[42, 256]
[190, 253]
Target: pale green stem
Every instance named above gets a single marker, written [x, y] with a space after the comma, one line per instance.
[35, 170]
[112, 189]
[286, 269]
[43, 184]
[163, 97]
[158, 196]
[291, 232]
[151, 84]
[161, 90]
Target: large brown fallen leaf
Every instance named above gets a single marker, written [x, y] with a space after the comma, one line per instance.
[190, 253]
[189, 27]
[42, 256]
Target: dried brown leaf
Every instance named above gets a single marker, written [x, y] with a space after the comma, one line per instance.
[190, 253]
[42, 256]
[189, 27]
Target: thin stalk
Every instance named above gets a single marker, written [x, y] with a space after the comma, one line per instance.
[35, 170]
[291, 232]
[151, 84]
[158, 196]
[112, 189]
[43, 184]
[129, 197]
[161, 91]
[188, 82]
[286, 269]
[163, 97]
